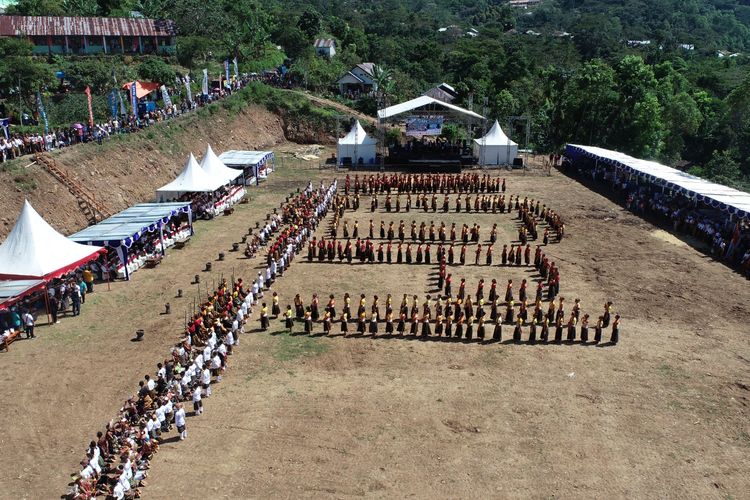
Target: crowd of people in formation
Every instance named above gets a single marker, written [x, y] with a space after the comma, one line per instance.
[423, 183]
[466, 316]
[116, 462]
[728, 240]
[258, 238]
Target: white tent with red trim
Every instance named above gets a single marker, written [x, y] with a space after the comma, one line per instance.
[34, 249]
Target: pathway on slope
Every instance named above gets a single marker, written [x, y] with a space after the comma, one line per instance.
[337, 106]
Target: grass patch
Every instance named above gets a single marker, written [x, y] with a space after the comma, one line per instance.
[290, 347]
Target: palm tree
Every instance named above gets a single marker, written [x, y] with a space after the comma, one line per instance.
[383, 78]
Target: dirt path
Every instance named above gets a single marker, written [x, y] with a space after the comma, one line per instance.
[338, 106]
[663, 414]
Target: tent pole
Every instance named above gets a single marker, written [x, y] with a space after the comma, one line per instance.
[161, 239]
[46, 304]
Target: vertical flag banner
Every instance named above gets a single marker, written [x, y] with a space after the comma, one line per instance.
[134, 99]
[204, 85]
[165, 96]
[91, 111]
[236, 68]
[187, 87]
[123, 109]
[226, 72]
[42, 113]
[112, 103]
[5, 123]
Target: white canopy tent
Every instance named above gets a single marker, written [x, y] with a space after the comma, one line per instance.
[216, 168]
[33, 249]
[357, 146]
[192, 179]
[718, 196]
[495, 148]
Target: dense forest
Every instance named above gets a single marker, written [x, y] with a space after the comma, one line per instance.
[663, 79]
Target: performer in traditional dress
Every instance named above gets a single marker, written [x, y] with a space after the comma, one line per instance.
[615, 338]
[288, 318]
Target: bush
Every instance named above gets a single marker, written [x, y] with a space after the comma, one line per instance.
[155, 69]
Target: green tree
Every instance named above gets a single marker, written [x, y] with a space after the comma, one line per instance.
[723, 168]
[310, 22]
[155, 69]
[37, 8]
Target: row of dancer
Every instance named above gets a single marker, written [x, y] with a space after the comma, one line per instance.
[453, 320]
[424, 183]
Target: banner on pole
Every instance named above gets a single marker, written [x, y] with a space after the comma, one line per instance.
[134, 99]
[226, 73]
[112, 103]
[165, 96]
[91, 110]
[204, 84]
[42, 113]
[123, 109]
[236, 68]
[5, 123]
[187, 87]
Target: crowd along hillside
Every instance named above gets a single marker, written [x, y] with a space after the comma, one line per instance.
[127, 168]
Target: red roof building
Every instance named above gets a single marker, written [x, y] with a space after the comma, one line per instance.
[92, 35]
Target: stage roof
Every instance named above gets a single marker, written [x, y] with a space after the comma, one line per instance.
[715, 195]
[430, 105]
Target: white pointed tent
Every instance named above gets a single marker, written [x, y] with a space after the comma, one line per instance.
[33, 249]
[214, 167]
[495, 148]
[192, 179]
[357, 146]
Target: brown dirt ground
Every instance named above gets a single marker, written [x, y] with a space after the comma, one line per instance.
[663, 414]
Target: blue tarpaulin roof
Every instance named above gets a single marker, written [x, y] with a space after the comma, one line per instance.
[718, 196]
[126, 227]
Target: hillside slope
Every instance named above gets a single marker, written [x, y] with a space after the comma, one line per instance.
[127, 169]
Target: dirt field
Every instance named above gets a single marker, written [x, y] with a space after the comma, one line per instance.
[662, 414]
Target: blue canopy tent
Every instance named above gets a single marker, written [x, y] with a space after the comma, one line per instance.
[718, 196]
[122, 230]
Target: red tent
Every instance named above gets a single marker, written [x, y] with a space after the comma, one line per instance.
[142, 89]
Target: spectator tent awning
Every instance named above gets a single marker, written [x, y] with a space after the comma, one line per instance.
[192, 179]
[425, 105]
[14, 290]
[125, 228]
[34, 250]
[214, 167]
[252, 163]
[718, 196]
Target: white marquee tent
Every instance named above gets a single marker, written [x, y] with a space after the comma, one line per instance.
[495, 148]
[357, 145]
[192, 179]
[33, 249]
[216, 168]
